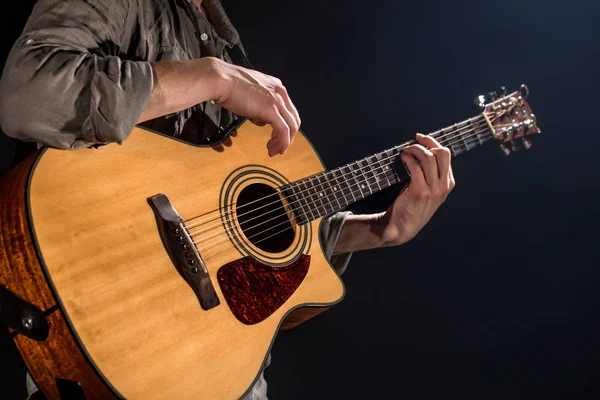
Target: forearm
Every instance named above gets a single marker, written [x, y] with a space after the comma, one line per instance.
[178, 85]
[363, 232]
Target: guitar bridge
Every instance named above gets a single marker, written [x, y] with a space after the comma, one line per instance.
[182, 251]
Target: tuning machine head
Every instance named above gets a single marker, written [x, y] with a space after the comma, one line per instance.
[515, 145]
[526, 143]
[510, 118]
[524, 91]
[505, 149]
[481, 101]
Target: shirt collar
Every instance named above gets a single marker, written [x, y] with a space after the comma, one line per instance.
[220, 21]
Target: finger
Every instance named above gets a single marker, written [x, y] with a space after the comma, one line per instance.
[428, 163]
[291, 122]
[442, 156]
[428, 141]
[291, 108]
[417, 179]
[451, 181]
[258, 122]
[280, 138]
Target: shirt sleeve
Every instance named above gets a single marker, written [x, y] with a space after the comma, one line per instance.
[64, 84]
[329, 234]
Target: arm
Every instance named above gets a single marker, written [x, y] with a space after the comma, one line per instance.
[260, 97]
[431, 182]
[65, 85]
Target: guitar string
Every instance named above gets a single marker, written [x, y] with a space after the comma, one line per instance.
[258, 241]
[204, 239]
[328, 181]
[469, 121]
[343, 175]
[258, 233]
[446, 134]
[314, 202]
[261, 232]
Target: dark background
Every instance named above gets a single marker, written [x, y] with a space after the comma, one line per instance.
[498, 297]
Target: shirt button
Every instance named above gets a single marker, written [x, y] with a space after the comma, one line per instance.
[212, 102]
[204, 37]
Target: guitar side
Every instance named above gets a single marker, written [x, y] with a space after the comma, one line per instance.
[130, 319]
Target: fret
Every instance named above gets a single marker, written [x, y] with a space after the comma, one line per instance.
[324, 194]
[343, 188]
[470, 137]
[362, 179]
[331, 192]
[473, 134]
[395, 153]
[442, 136]
[353, 184]
[364, 182]
[459, 133]
[458, 150]
[325, 190]
[383, 166]
[479, 140]
[375, 172]
[453, 151]
[453, 143]
[306, 197]
[296, 201]
[378, 171]
[315, 198]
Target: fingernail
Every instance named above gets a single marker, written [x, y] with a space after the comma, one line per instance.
[420, 135]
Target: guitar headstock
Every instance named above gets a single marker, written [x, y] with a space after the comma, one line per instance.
[511, 118]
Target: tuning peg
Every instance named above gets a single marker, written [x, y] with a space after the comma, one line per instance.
[503, 91]
[493, 95]
[480, 101]
[524, 91]
[533, 118]
[505, 149]
[505, 133]
[526, 143]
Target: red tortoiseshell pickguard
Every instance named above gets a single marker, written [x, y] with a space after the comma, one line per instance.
[254, 290]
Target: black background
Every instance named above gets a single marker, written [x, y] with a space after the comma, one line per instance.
[497, 297]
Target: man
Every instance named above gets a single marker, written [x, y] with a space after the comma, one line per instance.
[84, 72]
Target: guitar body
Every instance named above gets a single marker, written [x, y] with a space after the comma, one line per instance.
[82, 242]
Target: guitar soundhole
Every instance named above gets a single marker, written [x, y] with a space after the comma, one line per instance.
[263, 219]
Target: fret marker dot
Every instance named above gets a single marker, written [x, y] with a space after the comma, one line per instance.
[334, 188]
[321, 194]
[363, 186]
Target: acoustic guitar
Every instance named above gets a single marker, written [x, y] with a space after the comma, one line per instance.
[157, 269]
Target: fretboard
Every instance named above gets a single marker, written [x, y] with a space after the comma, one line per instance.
[331, 191]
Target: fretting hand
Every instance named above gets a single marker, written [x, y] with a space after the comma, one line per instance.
[431, 182]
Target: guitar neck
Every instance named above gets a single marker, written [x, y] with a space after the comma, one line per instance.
[331, 191]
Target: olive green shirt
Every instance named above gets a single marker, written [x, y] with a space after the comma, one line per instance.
[80, 75]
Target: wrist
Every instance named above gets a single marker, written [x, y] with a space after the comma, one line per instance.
[390, 233]
[214, 78]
